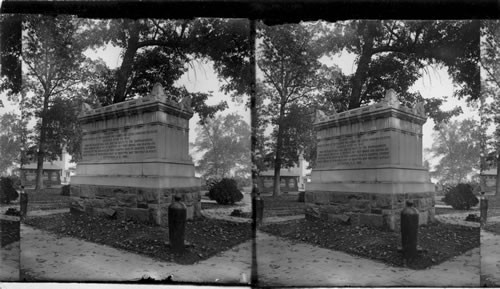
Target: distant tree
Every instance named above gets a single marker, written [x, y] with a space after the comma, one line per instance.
[63, 129]
[457, 145]
[289, 61]
[12, 133]
[54, 67]
[225, 144]
[262, 154]
[490, 102]
[297, 130]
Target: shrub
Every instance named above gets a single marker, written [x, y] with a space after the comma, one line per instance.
[225, 192]
[13, 212]
[210, 182]
[460, 197]
[7, 191]
[65, 190]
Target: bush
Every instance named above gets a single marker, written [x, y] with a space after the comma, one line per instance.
[13, 212]
[460, 197]
[210, 182]
[7, 191]
[65, 190]
[225, 192]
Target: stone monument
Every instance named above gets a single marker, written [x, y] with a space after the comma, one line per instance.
[135, 159]
[368, 164]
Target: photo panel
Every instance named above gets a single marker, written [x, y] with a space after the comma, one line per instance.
[489, 180]
[368, 145]
[178, 148]
[137, 149]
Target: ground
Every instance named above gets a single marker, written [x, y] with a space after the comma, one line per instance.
[490, 250]
[206, 237]
[439, 241]
[312, 253]
[10, 245]
[58, 252]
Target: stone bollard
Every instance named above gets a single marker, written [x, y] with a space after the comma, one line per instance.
[23, 202]
[483, 209]
[409, 231]
[176, 225]
[258, 209]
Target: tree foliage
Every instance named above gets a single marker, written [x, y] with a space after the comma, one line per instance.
[161, 50]
[394, 54]
[225, 144]
[55, 69]
[12, 133]
[457, 144]
[288, 58]
[63, 129]
[490, 102]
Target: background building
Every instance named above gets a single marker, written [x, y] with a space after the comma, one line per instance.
[488, 180]
[54, 173]
[291, 179]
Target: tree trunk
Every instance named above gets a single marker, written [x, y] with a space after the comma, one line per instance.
[358, 80]
[277, 158]
[41, 144]
[497, 187]
[361, 73]
[127, 62]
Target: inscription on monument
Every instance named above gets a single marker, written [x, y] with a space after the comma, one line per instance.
[115, 145]
[351, 151]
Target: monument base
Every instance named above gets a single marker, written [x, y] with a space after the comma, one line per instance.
[372, 209]
[136, 203]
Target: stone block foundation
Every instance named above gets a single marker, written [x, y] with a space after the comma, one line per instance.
[370, 209]
[145, 205]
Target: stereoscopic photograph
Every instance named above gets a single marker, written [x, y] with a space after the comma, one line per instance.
[249, 151]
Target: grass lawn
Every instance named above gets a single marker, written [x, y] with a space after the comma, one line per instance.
[443, 211]
[282, 201]
[493, 227]
[208, 206]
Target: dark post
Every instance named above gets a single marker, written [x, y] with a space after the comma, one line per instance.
[257, 205]
[23, 200]
[483, 208]
[409, 231]
[176, 225]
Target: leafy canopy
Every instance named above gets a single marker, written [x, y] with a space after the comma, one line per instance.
[157, 50]
[224, 142]
[457, 144]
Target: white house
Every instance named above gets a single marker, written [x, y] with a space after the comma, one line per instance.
[292, 179]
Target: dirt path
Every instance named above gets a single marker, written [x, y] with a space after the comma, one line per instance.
[47, 257]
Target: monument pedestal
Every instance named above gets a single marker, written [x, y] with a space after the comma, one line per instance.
[369, 163]
[135, 160]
